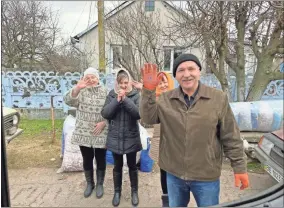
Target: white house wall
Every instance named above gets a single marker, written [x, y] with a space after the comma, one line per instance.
[89, 41]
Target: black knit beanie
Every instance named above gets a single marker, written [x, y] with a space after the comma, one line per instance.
[185, 57]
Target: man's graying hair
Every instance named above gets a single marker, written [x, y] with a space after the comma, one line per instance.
[121, 75]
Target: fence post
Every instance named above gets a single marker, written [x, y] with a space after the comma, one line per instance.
[52, 118]
[8, 90]
[63, 83]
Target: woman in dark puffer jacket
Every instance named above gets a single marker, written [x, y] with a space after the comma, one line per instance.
[121, 109]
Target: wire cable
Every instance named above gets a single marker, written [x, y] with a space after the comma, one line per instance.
[79, 18]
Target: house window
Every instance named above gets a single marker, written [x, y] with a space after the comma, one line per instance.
[121, 55]
[167, 59]
[177, 52]
[126, 51]
[170, 54]
[149, 6]
[116, 54]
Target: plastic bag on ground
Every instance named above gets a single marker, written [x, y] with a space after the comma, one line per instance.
[72, 158]
[265, 118]
[68, 125]
[236, 111]
[261, 116]
[244, 116]
[146, 161]
[143, 135]
[109, 158]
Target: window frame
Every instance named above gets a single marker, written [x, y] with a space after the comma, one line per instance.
[120, 46]
[149, 6]
[173, 49]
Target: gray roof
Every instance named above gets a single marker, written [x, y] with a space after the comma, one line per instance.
[108, 15]
[111, 13]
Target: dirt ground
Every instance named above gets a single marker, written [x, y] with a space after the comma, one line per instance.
[43, 187]
[33, 162]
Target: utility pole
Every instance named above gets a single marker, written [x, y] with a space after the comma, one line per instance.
[101, 35]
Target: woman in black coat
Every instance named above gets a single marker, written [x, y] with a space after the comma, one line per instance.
[121, 109]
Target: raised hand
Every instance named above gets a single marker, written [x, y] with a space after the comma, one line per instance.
[137, 85]
[82, 83]
[150, 78]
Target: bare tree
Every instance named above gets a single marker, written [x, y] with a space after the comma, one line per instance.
[139, 35]
[207, 23]
[223, 31]
[267, 38]
[65, 59]
[241, 12]
[29, 33]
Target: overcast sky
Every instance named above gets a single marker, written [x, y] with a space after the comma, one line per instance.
[75, 15]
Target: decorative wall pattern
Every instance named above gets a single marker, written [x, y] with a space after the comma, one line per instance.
[35, 89]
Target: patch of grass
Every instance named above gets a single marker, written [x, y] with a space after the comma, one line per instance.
[34, 147]
[255, 167]
[35, 127]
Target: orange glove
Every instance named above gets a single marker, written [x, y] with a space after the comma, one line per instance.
[149, 76]
[243, 178]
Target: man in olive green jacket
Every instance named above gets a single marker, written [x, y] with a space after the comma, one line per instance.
[197, 126]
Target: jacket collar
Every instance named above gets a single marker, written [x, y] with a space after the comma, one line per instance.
[202, 92]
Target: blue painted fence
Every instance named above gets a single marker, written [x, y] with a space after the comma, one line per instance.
[33, 90]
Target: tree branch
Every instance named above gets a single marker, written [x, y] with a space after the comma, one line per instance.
[280, 50]
[253, 31]
[277, 75]
[232, 64]
[266, 37]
